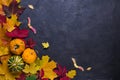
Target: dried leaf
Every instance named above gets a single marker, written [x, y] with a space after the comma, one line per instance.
[31, 6]
[89, 68]
[71, 74]
[30, 26]
[76, 66]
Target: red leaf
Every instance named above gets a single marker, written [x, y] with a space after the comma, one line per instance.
[17, 33]
[22, 77]
[2, 19]
[13, 8]
[30, 43]
[60, 71]
[65, 78]
[40, 75]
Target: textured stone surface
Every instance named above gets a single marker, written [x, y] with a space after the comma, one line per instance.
[88, 30]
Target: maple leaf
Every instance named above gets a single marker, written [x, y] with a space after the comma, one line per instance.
[4, 70]
[1, 10]
[40, 75]
[17, 33]
[71, 74]
[5, 2]
[13, 8]
[48, 67]
[45, 45]
[11, 23]
[31, 68]
[30, 43]
[4, 50]
[61, 72]
[4, 40]
[22, 77]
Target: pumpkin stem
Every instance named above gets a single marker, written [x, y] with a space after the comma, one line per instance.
[16, 46]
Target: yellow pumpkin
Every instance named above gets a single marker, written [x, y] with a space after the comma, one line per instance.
[17, 46]
[29, 55]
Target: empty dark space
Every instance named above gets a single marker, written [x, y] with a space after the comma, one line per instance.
[88, 30]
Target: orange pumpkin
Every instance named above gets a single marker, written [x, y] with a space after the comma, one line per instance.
[17, 46]
[29, 55]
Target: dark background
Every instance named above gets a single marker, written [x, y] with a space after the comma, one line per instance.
[88, 30]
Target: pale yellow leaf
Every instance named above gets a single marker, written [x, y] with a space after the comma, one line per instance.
[45, 45]
[31, 6]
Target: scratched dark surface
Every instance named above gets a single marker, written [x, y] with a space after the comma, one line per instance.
[88, 30]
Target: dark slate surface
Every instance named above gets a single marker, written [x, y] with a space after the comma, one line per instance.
[88, 30]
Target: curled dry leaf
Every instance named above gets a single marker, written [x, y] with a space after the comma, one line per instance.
[31, 6]
[76, 66]
[30, 26]
[89, 68]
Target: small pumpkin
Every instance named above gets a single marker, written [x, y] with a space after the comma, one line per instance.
[17, 46]
[15, 64]
[29, 55]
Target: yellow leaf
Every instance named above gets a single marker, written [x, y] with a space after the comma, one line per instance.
[2, 77]
[4, 70]
[32, 68]
[5, 2]
[48, 70]
[4, 42]
[45, 45]
[11, 22]
[48, 67]
[4, 50]
[1, 10]
[71, 74]
[18, 1]
[44, 61]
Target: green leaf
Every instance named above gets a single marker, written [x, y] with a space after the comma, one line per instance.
[32, 77]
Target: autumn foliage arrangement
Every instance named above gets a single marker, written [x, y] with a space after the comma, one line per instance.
[18, 58]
